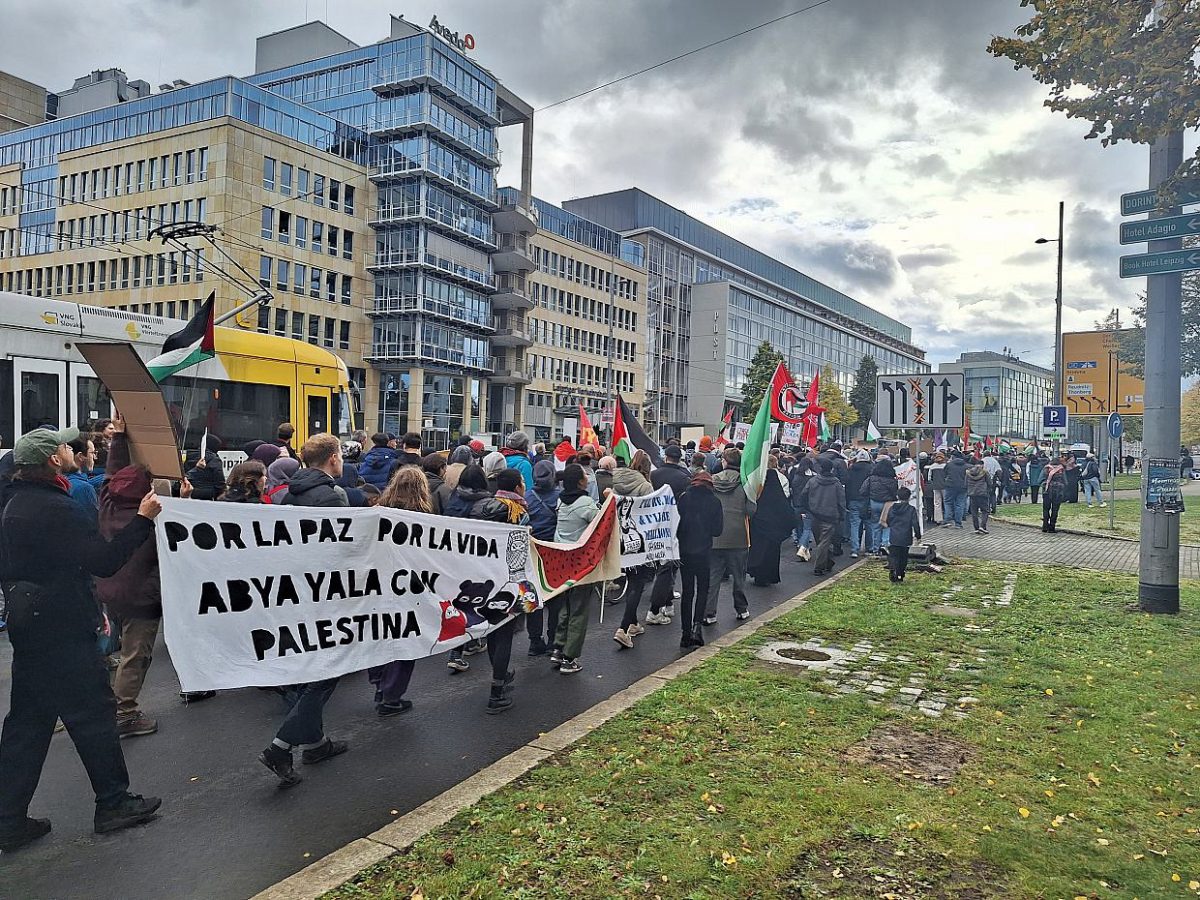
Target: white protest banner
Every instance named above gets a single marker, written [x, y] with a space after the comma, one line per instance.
[260, 595]
[791, 435]
[741, 431]
[649, 527]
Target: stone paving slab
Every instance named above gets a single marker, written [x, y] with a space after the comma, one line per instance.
[1018, 543]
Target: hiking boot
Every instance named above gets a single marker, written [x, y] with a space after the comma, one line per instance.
[538, 647]
[136, 725]
[132, 809]
[657, 618]
[22, 834]
[327, 749]
[499, 700]
[556, 657]
[570, 667]
[509, 678]
[279, 761]
[384, 710]
[457, 664]
[622, 637]
[635, 629]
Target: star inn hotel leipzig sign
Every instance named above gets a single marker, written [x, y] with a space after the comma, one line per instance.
[1091, 380]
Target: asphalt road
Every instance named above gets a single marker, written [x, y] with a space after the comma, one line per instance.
[227, 831]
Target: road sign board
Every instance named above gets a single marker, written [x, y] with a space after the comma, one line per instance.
[1159, 229]
[923, 400]
[1159, 263]
[1145, 201]
[1054, 423]
[1097, 379]
[1115, 425]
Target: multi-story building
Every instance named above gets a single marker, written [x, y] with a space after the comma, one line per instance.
[581, 338]
[357, 183]
[712, 300]
[1005, 394]
[22, 103]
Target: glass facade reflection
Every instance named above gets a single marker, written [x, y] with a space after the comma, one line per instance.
[1005, 394]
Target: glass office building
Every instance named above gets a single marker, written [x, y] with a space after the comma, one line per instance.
[711, 300]
[1005, 394]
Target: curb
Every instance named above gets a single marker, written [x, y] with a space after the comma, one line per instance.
[1101, 534]
[343, 865]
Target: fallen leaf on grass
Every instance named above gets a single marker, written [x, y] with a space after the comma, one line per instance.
[1024, 813]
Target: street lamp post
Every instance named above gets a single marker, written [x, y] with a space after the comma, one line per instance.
[1058, 310]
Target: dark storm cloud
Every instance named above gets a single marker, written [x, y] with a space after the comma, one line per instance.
[928, 259]
[848, 265]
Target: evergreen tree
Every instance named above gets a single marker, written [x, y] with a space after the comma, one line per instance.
[1132, 341]
[831, 398]
[758, 379]
[862, 395]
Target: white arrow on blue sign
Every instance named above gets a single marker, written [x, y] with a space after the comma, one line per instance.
[1159, 229]
[1115, 425]
[1159, 263]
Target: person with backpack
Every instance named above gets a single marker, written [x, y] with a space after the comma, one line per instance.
[542, 502]
[1089, 479]
[379, 462]
[1055, 492]
[279, 473]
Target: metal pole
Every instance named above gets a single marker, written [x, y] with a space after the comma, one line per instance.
[1158, 569]
[1058, 311]
[612, 316]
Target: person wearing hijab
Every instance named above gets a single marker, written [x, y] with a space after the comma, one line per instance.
[773, 521]
[279, 473]
[492, 463]
[266, 454]
[701, 518]
[460, 457]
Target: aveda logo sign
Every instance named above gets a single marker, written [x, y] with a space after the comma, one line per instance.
[464, 43]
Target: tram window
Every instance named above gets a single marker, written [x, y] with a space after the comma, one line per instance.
[39, 400]
[318, 414]
[92, 400]
[6, 406]
[234, 411]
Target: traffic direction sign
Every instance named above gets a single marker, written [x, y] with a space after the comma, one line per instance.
[1146, 201]
[1159, 229]
[1115, 425]
[1054, 423]
[1159, 263]
[923, 400]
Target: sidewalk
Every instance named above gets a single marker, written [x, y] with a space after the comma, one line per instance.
[969, 734]
[1019, 543]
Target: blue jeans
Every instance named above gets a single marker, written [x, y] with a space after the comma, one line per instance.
[857, 513]
[804, 533]
[1091, 488]
[956, 505]
[879, 534]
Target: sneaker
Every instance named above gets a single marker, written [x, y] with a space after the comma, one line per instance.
[709, 620]
[279, 761]
[26, 833]
[983, 530]
[948, 525]
[657, 619]
[1103, 505]
[384, 710]
[635, 629]
[854, 554]
[470, 648]
[131, 810]
[668, 611]
[979, 531]
[457, 664]
[958, 526]
[196, 696]
[327, 749]
[570, 666]
[556, 657]
[803, 553]
[743, 615]
[136, 726]
[622, 637]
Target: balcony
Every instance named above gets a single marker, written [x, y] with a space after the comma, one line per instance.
[445, 220]
[512, 254]
[511, 330]
[422, 122]
[511, 293]
[421, 74]
[399, 354]
[511, 368]
[452, 269]
[413, 304]
[515, 219]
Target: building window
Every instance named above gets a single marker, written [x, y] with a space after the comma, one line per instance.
[285, 179]
[268, 173]
[297, 326]
[318, 191]
[344, 336]
[264, 320]
[347, 244]
[346, 289]
[348, 199]
[332, 234]
[314, 283]
[300, 279]
[335, 189]
[202, 164]
[318, 237]
[281, 322]
[264, 271]
[329, 326]
[281, 274]
[268, 222]
[331, 286]
[301, 232]
[302, 183]
[314, 329]
[285, 227]
[191, 166]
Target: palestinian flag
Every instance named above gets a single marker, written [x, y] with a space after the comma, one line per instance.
[872, 432]
[725, 430]
[628, 436]
[758, 447]
[186, 348]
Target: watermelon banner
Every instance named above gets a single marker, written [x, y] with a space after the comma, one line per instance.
[262, 596]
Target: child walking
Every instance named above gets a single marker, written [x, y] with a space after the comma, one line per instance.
[900, 518]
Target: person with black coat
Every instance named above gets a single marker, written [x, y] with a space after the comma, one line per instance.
[465, 502]
[858, 506]
[701, 518]
[207, 473]
[542, 502]
[955, 496]
[304, 724]
[903, 530]
[49, 554]
[879, 489]
[825, 499]
[672, 472]
[773, 521]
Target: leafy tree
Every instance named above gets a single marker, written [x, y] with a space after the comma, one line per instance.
[1131, 360]
[1189, 418]
[862, 395]
[1133, 341]
[1106, 63]
[831, 398]
[758, 379]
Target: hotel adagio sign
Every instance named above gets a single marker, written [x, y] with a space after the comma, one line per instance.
[464, 43]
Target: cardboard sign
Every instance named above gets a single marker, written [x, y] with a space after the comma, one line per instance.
[135, 393]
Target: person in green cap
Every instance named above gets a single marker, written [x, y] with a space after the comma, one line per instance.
[49, 554]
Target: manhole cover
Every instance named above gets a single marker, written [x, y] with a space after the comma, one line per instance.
[809, 655]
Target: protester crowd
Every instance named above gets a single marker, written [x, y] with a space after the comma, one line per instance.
[79, 567]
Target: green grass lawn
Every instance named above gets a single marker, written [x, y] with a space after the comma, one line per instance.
[1079, 774]
[1128, 519]
[1127, 482]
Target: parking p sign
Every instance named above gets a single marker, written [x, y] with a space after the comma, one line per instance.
[1054, 423]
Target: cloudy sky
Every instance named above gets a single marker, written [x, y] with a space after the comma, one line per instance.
[873, 144]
